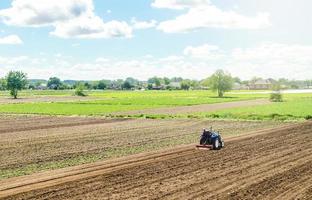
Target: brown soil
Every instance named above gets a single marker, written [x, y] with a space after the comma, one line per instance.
[271, 164]
[11, 123]
[198, 108]
[39, 140]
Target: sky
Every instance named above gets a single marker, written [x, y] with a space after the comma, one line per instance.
[113, 39]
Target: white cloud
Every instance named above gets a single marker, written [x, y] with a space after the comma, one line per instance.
[171, 59]
[13, 60]
[266, 60]
[91, 28]
[179, 4]
[11, 39]
[45, 12]
[102, 60]
[70, 18]
[274, 51]
[143, 24]
[273, 60]
[202, 14]
[205, 51]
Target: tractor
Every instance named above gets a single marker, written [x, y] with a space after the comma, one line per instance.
[211, 139]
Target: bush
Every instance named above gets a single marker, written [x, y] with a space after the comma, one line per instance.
[276, 97]
[79, 91]
[308, 117]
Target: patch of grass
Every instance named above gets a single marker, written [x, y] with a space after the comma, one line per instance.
[67, 108]
[295, 107]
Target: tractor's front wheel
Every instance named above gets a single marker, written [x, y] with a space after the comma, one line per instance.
[222, 144]
[202, 141]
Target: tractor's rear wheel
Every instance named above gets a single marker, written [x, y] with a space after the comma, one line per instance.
[216, 144]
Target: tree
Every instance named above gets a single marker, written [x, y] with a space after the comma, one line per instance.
[166, 80]
[149, 86]
[185, 84]
[276, 95]
[54, 83]
[16, 80]
[101, 85]
[155, 80]
[194, 84]
[87, 85]
[132, 81]
[221, 82]
[79, 91]
[2, 84]
[237, 80]
[126, 86]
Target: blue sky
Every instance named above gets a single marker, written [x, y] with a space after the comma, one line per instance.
[110, 39]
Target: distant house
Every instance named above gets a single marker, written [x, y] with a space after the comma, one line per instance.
[41, 87]
[260, 85]
[175, 85]
[155, 87]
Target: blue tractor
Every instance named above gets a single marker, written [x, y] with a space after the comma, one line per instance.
[211, 139]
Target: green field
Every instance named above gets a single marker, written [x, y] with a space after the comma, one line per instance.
[294, 107]
[30, 93]
[114, 101]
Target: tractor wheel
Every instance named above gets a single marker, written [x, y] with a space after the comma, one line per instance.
[216, 144]
[202, 141]
[221, 144]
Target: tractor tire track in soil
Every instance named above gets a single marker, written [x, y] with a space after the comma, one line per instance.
[269, 164]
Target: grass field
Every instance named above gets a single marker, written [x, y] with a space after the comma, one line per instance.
[30, 93]
[114, 101]
[294, 107]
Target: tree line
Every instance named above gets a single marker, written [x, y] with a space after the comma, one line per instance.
[220, 82]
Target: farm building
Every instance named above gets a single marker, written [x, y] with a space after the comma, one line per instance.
[260, 85]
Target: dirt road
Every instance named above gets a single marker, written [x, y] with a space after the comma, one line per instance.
[273, 164]
[198, 108]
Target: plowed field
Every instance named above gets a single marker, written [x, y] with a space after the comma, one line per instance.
[36, 143]
[271, 164]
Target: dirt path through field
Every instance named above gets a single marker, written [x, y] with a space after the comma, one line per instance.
[266, 165]
[198, 108]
